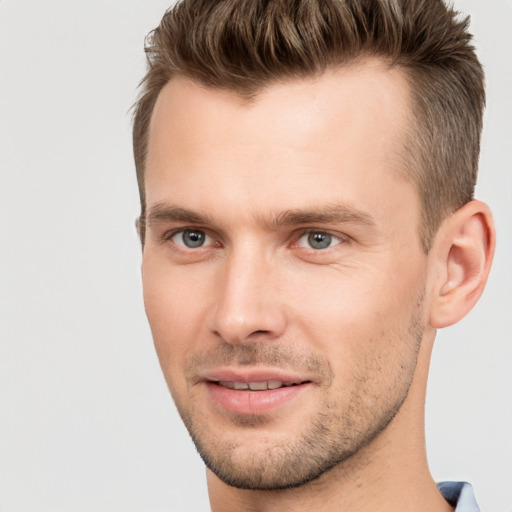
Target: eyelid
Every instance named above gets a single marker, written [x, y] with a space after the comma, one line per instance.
[213, 239]
[170, 235]
[340, 237]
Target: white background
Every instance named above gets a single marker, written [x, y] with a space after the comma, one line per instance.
[86, 423]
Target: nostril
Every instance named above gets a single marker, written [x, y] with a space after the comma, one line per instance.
[235, 323]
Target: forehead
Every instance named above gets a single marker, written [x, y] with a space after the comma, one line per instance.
[324, 136]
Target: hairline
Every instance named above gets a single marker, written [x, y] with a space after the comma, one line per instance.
[411, 167]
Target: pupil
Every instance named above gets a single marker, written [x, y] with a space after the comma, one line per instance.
[319, 240]
[193, 238]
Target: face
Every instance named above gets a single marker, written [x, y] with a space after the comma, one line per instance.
[283, 273]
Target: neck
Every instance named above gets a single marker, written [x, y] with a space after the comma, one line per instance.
[390, 474]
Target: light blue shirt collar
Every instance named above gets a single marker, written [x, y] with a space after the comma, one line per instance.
[460, 495]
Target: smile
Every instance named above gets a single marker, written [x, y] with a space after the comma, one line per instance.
[256, 386]
[254, 396]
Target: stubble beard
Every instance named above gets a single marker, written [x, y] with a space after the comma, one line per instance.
[333, 436]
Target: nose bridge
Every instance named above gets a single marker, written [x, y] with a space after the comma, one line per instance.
[247, 305]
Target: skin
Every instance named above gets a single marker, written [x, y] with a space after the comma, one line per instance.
[353, 322]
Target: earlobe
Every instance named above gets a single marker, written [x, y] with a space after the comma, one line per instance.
[464, 249]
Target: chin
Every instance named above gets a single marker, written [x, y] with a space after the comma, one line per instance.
[284, 462]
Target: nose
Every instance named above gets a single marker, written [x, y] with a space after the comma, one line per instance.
[249, 302]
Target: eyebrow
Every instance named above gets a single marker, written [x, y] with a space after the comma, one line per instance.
[326, 214]
[163, 212]
[335, 213]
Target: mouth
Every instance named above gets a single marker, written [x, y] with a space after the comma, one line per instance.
[258, 385]
[230, 392]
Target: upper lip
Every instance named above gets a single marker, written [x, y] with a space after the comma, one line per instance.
[253, 375]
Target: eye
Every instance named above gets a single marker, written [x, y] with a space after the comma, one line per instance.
[318, 240]
[191, 238]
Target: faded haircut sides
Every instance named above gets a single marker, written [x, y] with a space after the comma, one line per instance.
[244, 45]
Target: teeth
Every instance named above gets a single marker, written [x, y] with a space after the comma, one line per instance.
[258, 386]
[226, 384]
[255, 386]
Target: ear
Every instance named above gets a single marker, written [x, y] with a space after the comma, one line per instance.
[137, 226]
[463, 250]
[140, 231]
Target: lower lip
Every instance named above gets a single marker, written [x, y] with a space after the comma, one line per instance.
[253, 402]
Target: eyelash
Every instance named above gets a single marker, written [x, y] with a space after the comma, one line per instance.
[331, 237]
[170, 236]
[338, 238]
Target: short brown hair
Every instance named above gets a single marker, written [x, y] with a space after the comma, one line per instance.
[244, 45]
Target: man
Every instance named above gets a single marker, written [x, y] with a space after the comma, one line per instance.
[306, 171]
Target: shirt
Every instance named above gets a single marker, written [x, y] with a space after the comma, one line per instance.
[460, 495]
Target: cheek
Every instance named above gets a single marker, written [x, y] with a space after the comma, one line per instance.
[174, 303]
[359, 316]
